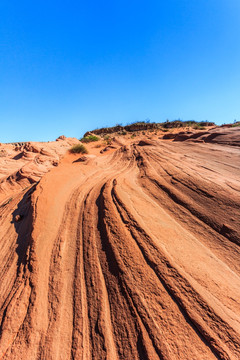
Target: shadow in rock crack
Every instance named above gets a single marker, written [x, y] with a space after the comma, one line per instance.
[22, 218]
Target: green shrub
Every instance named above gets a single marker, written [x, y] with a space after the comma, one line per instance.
[199, 127]
[107, 139]
[78, 149]
[236, 124]
[89, 138]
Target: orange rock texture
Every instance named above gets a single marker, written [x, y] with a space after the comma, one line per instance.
[129, 254]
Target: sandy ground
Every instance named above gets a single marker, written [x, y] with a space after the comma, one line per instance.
[130, 254]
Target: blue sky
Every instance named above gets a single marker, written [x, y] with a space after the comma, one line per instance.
[71, 66]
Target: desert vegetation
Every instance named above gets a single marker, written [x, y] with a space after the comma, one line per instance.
[78, 149]
[147, 126]
[107, 139]
[89, 138]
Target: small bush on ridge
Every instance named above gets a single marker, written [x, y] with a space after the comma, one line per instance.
[89, 138]
[78, 149]
[107, 140]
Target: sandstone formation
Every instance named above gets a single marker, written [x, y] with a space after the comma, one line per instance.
[23, 164]
[221, 135]
[129, 254]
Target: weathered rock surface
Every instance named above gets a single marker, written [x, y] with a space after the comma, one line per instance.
[24, 164]
[220, 135]
[134, 255]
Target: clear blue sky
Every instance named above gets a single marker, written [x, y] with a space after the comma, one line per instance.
[71, 66]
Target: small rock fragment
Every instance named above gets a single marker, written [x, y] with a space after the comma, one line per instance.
[18, 218]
